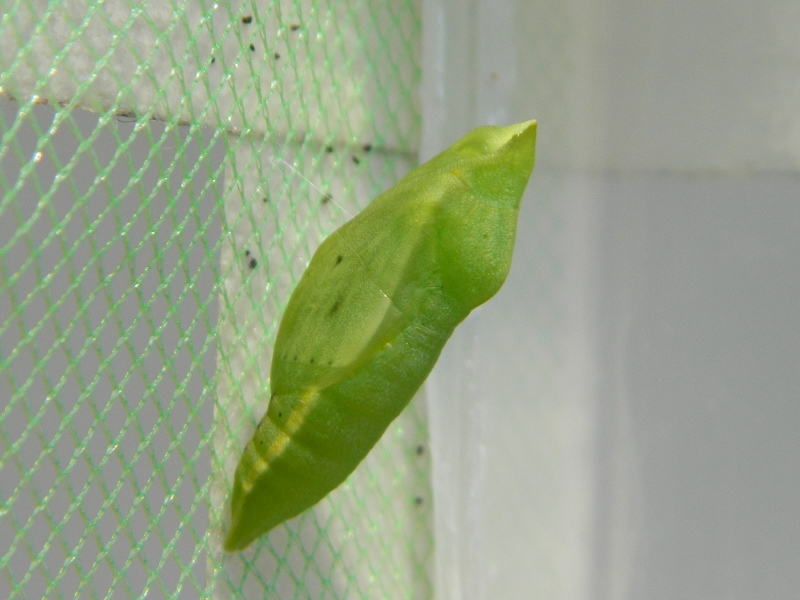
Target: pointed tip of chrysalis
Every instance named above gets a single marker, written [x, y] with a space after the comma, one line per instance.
[521, 145]
[240, 535]
[233, 544]
[525, 128]
[240, 531]
[234, 540]
[230, 544]
[527, 131]
[524, 132]
[519, 133]
[510, 145]
[491, 138]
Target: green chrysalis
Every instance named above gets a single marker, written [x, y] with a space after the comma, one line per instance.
[370, 316]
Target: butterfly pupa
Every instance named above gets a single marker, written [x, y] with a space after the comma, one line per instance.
[370, 316]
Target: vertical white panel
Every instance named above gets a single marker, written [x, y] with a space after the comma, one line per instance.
[615, 423]
[511, 398]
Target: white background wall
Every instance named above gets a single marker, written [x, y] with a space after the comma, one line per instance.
[627, 426]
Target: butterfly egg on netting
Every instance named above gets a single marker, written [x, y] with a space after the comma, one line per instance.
[370, 315]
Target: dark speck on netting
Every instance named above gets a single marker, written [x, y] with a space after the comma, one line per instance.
[294, 26]
[356, 160]
[326, 198]
[252, 47]
[420, 450]
[247, 252]
[247, 19]
[253, 263]
[418, 500]
[367, 147]
[277, 55]
[328, 149]
[213, 59]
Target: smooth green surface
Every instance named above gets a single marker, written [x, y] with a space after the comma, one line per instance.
[370, 316]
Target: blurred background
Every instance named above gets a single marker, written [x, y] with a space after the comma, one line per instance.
[620, 422]
[630, 428]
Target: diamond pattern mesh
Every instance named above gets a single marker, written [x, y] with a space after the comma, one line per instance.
[124, 269]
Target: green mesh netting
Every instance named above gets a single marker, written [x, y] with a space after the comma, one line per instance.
[147, 249]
